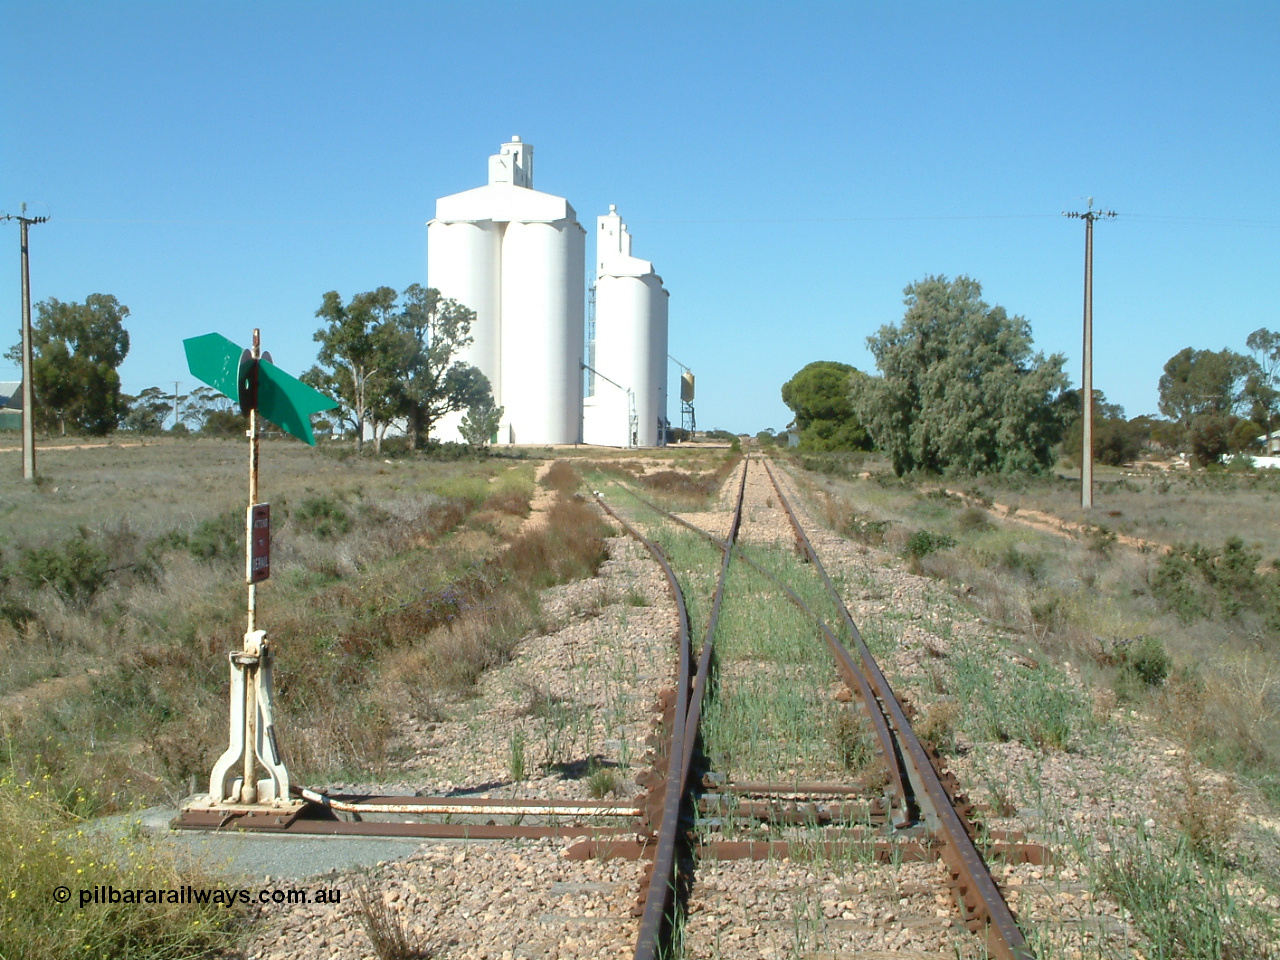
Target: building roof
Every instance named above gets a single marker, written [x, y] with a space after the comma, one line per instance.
[10, 394]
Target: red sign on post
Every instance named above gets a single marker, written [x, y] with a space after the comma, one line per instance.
[259, 543]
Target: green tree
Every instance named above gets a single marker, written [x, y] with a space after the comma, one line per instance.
[1244, 437]
[1115, 440]
[1263, 384]
[434, 382]
[961, 389]
[482, 418]
[821, 397]
[147, 411]
[198, 405]
[76, 348]
[1210, 436]
[328, 382]
[365, 349]
[225, 423]
[1198, 383]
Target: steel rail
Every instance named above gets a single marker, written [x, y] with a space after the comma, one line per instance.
[976, 884]
[658, 895]
[684, 732]
[852, 675]
[704, 659]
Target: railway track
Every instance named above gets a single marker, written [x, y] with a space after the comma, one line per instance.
[860, 794]
[908, 809]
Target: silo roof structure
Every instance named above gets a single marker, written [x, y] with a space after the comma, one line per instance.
[509, 194]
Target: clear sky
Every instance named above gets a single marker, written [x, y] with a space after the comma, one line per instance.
[789, 168]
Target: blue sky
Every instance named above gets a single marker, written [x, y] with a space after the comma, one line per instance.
[788, 168]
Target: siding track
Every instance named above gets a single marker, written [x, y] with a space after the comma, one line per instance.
[921, 814]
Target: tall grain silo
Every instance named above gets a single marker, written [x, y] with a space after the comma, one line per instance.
[515, 256]
[628, 407]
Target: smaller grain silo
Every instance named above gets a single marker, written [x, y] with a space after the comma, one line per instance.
[628, 405]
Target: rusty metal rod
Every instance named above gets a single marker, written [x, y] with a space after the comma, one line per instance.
[478, 807]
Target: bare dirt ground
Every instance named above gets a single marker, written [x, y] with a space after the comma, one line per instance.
[1048, 523]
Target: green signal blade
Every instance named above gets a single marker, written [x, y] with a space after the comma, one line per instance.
[215, 360]
[288, 402]
[284, 400]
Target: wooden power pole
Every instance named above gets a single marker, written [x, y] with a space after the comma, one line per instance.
[28, 388]
[1086, 401]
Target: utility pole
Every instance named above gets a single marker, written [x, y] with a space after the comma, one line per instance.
[28, 388]
[1086, 457]
[175, 403]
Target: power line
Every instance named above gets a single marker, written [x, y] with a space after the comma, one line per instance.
[931, 218]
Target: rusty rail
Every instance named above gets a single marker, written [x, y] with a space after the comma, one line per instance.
[981, 895]
[659, 898]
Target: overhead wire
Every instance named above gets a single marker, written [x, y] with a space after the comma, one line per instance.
[1136, 217]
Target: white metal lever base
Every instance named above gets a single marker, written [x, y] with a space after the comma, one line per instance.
[251, 695]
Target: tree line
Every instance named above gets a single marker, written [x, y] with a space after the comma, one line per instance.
[960, 388]
[388, 358]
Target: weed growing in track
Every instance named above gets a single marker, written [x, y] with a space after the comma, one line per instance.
[1183, 904]
[387, 932]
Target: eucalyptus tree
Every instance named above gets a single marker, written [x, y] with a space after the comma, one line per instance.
[961, 388]
[434, 381]
[393, 358]
[1198, 383]
[1263, 385]
[76, 349]
[364, 347]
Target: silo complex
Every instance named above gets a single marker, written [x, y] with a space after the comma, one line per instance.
[628, 405]
[516, 257]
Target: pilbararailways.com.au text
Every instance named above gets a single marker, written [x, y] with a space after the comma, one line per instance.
[201, 896]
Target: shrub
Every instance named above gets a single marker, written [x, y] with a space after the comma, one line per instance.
[390, 937]
[870, 532]
[924, 542]
[561, 477]
[856, 748]
[76, 569]
[973, 519]
[1173, 587]
[602, 781]
[43, 851]
[324, 517]
[1148, 660]
[1194, 581]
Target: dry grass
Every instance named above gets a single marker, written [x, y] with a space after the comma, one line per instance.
[386, 929]
[1089, 602]
[137, 666]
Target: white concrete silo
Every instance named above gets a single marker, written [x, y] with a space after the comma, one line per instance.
[515, 256]
[628, 406]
